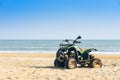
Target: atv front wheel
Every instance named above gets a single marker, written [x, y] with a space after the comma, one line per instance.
[71, 63]
[96, 63]
[58, 63]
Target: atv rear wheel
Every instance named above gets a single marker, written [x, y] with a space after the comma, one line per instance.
[58, 63]
[96, 63]
[71, 63]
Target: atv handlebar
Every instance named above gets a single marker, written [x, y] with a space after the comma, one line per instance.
[73, 41]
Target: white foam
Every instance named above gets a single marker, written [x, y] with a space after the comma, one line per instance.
[27, 52]
[104, 52]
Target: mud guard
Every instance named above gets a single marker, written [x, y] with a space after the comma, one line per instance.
[86, 52]
[89, 50]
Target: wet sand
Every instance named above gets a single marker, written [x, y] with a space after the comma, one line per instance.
[30, 66]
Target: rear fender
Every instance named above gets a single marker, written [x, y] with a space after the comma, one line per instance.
[85, 53]
[89, 50]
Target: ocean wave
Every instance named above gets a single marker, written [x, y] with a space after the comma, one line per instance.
[55, 52]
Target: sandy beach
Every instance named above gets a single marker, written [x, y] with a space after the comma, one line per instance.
[16, 66]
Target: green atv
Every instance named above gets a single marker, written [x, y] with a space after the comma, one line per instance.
[69, 55]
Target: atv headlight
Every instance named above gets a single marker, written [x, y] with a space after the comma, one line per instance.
[65, 52]
[72, 52]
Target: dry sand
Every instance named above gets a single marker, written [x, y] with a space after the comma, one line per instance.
[40, 67]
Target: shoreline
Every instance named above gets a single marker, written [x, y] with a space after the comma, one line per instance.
[53, 55]
[53, 52]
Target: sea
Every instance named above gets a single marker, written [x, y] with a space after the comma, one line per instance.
[51, 46]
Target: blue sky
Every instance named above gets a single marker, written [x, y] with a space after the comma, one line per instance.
[59, 19]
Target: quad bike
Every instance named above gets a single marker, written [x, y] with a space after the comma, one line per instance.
[69, 55]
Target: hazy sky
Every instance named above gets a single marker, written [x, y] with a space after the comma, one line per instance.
[59, 19]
